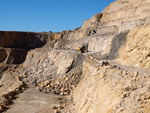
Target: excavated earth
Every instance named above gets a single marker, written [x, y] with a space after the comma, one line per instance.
[45, 73]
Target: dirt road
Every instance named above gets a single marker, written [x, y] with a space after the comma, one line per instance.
[33, 101]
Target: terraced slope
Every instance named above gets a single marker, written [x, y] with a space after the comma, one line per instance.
[112, 77]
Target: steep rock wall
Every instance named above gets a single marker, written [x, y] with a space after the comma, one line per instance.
[126, 14]
[119, 16]
[14, 45]
[26, 40]
[136, 51]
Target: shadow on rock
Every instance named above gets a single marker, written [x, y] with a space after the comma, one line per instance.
[118, 41]
[22, 40]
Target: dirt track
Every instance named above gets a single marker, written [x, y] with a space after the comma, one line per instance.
[130, 69]
[33, 101]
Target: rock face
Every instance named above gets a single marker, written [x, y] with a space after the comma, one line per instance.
[23, 40]
[15, 45]
[126, 14]
[112, 77]
[136, 50]
[110, 89]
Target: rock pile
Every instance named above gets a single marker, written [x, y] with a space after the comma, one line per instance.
[57, 71]
[62, 86]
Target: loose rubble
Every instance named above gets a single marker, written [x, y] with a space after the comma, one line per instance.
[111, 76]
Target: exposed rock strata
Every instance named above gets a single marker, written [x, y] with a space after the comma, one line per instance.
[24, 40]
[51, 62]
[136, 50]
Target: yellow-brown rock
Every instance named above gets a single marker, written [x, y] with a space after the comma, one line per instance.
[136, 51]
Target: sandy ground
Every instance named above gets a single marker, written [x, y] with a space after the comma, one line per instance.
[33, 101]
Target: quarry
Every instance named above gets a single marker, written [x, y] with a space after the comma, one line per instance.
[101, 67]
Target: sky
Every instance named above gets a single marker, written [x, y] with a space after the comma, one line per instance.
[47, 15]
